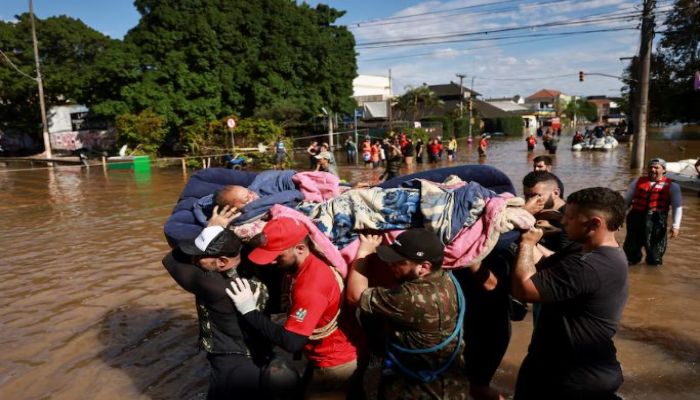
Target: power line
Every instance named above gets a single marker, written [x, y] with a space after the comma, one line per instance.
[451, 12]
[437, 39]
[544, 36]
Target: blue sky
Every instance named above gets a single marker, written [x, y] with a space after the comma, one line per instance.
[531, 59]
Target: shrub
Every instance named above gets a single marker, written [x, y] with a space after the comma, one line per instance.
[144, 132]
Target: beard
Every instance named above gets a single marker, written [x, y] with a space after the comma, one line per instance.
[549, 204]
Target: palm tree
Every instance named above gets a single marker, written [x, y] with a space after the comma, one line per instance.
[417, 101]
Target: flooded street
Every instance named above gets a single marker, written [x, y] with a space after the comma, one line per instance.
[87, 311]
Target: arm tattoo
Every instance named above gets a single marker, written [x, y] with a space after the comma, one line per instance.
[525, 264]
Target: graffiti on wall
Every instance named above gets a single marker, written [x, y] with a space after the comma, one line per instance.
[86, 139]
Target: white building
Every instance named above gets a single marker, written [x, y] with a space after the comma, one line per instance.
[372, 93]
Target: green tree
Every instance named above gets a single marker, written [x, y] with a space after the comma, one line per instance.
[582, 109]
[202, 59]
[143, 132]
[416, 102]
[673, 65]
[68, 51]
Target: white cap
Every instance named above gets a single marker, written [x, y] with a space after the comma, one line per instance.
[208, 234]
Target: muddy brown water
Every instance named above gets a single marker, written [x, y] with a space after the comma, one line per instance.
[88, 312]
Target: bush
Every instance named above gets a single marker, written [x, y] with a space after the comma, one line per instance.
[252, 131]
[144, 132]
[512, 126]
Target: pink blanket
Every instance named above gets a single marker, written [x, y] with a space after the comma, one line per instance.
[474, 243]
[317, 186]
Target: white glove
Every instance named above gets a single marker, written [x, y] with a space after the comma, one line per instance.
[243, 297]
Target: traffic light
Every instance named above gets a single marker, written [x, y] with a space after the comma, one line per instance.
[469, 105]
[580, 76]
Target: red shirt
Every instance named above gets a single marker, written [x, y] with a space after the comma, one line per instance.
[316, 297]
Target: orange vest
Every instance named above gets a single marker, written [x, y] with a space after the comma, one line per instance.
[652, 196]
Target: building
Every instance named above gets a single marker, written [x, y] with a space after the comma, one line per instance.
[372, 94]
[452, 95]
[547, 104]
[607, 109]
[516, 106]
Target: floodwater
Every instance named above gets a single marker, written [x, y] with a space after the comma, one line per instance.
[88, 312]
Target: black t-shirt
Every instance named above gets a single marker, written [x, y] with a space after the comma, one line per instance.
[560, 240]
[583, 295]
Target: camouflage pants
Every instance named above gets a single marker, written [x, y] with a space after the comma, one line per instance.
[648, 231]
[451, 385]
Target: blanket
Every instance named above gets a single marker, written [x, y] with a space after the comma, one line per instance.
[271, 182]
[365, 209]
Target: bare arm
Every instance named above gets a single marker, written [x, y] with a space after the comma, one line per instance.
[522, 287]
[357, 278]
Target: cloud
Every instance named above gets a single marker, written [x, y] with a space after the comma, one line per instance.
[506, 67]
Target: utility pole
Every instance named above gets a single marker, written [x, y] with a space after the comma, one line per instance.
[461, 94]
[389, 100]
[42, 106]
[640, 137]
[469, 122]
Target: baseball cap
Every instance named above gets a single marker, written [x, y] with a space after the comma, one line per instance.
[214, 241]
[659, 161]
[417, 244]
[323, 154]
[279, 235]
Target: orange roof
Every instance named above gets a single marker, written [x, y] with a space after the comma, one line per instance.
[544, 93]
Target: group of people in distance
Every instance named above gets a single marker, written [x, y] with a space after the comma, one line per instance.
[435, 334]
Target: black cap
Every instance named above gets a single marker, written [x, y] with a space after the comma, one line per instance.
[414, 244]
[214, 241]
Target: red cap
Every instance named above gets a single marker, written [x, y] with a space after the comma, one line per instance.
[280, 234]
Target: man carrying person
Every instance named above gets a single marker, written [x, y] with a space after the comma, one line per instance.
[651, 197]
[543, 200]
[316, 322]
[241, 363]
[421, 314]
[544, 163]
[572, 354]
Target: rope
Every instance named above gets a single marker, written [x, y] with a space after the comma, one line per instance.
[427, 376]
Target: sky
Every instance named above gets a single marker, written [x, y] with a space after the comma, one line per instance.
[391, 35]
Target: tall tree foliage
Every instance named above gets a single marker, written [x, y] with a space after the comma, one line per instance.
[202, 59]
[68, 49]
[673, 65]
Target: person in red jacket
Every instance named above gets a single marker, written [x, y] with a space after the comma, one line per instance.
[650, 198]
[531, 142]
[483, 144]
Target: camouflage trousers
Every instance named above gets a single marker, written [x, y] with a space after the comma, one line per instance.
[451, 385]
[647, 230]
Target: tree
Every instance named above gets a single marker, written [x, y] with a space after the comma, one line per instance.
[68, 49]
[671, 95]
[680, 49]
[581, 108]
[416, 102]
[207, 58]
